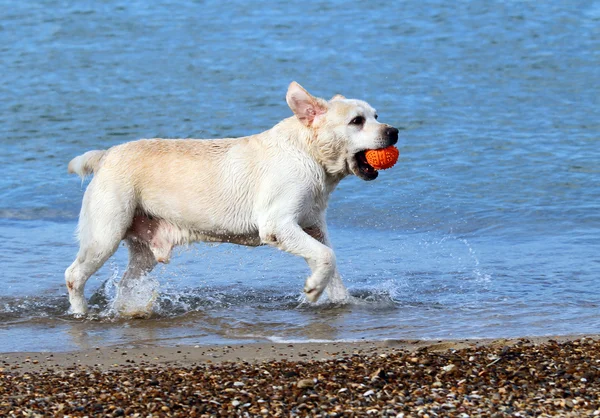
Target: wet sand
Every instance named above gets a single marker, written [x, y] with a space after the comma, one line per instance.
[519, 377]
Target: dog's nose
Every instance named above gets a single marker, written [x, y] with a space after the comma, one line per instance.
[392, 134]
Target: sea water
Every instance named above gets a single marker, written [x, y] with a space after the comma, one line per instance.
[488, 226]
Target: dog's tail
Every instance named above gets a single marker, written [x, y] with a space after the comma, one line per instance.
[87, 163]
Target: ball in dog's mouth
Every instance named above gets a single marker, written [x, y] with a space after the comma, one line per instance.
[365, 170]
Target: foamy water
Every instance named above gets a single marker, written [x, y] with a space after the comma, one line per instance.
[488, 226]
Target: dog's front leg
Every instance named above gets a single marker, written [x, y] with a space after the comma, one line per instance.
[290, 237]
[336, 291]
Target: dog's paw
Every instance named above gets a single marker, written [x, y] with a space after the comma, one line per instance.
[78, 309]
[313, 294]
[79, 315]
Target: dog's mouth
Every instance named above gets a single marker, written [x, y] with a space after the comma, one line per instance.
[362, 168]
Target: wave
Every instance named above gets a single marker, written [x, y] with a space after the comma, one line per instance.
[40, 214]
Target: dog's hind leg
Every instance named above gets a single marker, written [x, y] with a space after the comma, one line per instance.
[141, 262]
[106, 213]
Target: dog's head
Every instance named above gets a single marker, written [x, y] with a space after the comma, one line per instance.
[342, 130]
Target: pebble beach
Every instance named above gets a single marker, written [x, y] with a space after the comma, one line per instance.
[487, 227]
[540, 377]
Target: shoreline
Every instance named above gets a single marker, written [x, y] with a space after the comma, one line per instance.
[106, 358]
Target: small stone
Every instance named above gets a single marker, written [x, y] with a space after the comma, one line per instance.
[378, 374]
[305, 383]
[449, 368]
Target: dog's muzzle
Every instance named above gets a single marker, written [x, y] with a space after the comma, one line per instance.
[359, 165]
[391, 134]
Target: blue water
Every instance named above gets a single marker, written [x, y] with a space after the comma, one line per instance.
[488, 226]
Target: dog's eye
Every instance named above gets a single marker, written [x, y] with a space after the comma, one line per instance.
[359, 120]
[376, 116]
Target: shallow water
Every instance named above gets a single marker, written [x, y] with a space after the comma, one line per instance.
[489, 225]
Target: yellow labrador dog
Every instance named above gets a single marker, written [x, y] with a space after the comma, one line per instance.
[270, 188]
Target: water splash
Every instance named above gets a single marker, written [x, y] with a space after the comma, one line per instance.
[479, 275]
[147, 298]
[136, 299]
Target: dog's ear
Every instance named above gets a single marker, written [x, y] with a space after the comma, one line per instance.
[338, 97]
[305, 107]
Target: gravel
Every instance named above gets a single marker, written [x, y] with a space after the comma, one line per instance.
[524, 379]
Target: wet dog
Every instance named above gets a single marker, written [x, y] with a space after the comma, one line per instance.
[271, 188]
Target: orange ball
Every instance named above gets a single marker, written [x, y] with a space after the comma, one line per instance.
[382, 159]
